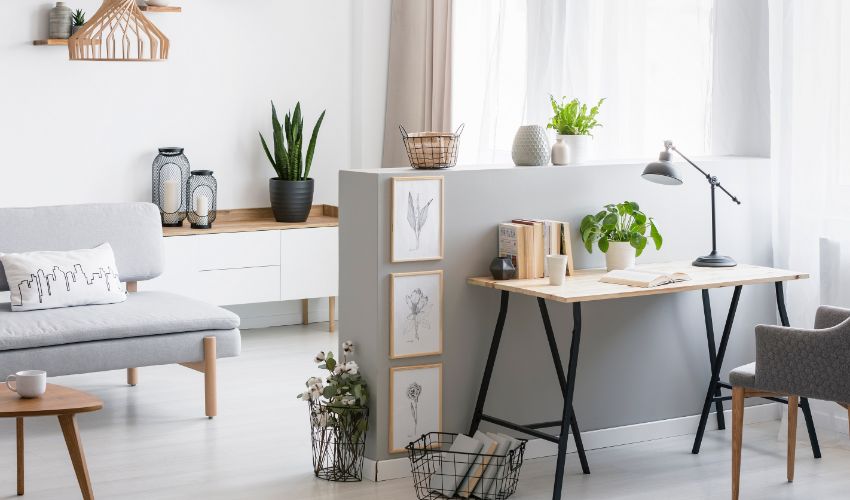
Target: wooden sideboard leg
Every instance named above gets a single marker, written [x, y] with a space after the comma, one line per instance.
[19, 433]
[132, 376]
[331, 314]
[210, 399]
[305, 311]
[75, 449]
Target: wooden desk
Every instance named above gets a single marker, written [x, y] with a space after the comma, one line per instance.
[585, 286]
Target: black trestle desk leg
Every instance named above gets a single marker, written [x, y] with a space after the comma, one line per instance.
[715, 369]
[568, 402]
[491, 361]
[804, 402]
[712, 355]
[562, 381]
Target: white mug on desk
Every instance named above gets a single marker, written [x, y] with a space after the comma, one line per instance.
[28, 383]
[557, 267]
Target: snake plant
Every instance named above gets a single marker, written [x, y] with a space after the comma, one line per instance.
[288, 160]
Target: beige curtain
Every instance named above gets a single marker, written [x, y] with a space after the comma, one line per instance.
[420, 73]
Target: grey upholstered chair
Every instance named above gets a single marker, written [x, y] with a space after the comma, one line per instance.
[796, 363]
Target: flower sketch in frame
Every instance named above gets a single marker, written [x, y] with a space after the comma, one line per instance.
[416, 314]
[416, 403]
[417, 218]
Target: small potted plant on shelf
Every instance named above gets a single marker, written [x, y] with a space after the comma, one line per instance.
[78, 20]
[620, 233]
[291, 192]
[339, 417]
[572, 122]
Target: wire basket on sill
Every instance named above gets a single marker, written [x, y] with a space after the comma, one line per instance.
[435, 471]
[431, 150]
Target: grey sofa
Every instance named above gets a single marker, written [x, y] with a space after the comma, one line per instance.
[149, 328]
[793, 362]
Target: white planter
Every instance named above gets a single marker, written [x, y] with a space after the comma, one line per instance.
[560, 151]
[531, 146]
[620, 255]
[579, 146]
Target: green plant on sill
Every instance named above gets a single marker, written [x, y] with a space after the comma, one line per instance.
[623, 222]
[287, 160]
[573, 117]
[79, 17]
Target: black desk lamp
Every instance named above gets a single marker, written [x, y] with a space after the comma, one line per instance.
[663, 172]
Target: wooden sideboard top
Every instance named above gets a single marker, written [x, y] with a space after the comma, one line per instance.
[257, 219]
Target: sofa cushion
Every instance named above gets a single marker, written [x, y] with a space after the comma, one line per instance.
[142, 314]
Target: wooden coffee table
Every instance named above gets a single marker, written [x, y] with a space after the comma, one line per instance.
[63, 402]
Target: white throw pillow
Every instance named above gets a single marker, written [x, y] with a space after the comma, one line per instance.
[46, 280]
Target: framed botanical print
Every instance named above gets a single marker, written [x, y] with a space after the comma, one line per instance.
[417, 218]
[416, 403]
[416, 314]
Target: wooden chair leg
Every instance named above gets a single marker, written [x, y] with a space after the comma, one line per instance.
[331, 314]
[305, 311]
[738, 395]
[132, 376]
[75, 449]
[210, 400]
[19, 434]
[793, 402]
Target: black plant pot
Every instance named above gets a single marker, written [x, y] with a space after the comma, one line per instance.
[502, 268]
[291, 200]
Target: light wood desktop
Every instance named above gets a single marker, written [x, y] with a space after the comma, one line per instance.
[584, 286]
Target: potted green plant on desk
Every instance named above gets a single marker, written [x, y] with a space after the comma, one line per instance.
[291, 192]
[573, 122]
[619, 230]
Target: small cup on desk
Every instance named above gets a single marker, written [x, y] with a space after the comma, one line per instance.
[557, 266]
[28, 383]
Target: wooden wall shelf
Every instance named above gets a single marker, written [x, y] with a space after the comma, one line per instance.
[151, 8]
[51, 41]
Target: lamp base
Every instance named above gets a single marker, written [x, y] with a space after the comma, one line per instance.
[715, 260]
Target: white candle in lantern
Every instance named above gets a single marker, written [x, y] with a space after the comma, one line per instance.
[170, 196]
[202, 205]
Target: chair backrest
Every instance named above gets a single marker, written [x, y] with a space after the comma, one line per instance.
[132, 229]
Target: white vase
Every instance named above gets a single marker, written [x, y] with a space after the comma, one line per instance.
[579, 146]
[560, 151]
[620, 255]
[531, 146]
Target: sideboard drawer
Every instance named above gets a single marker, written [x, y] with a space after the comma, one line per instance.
[238, 286]
[235, 250]
[309, 265]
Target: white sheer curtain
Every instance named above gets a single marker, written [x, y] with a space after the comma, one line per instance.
[650, 59]
[810, 142]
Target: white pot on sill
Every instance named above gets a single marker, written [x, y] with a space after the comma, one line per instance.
[620, 255]
[579, 147]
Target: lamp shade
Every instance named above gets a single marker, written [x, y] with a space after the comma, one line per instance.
[662, 172]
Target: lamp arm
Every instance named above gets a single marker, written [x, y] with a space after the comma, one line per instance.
[710, 178]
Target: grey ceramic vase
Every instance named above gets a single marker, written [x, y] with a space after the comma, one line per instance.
[531, 146]
[291, 200]
[60, 21]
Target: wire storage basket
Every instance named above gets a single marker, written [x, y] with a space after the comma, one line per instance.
[431, 150]
[339, 441]
[439, 473]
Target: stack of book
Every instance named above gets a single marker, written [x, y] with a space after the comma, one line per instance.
[473, 466]
[528, 241]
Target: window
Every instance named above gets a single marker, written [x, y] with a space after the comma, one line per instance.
[650, 59]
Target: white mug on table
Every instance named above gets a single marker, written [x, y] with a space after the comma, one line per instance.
[557, 267]
[28, 383]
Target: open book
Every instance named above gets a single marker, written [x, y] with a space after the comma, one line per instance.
[643, 279]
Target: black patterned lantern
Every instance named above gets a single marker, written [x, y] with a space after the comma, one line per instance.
[201, 192]
[170, 175]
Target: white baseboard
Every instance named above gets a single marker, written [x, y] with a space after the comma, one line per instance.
[829, 416]
[397, 468]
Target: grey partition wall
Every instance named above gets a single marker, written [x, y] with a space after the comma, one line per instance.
[642, 359]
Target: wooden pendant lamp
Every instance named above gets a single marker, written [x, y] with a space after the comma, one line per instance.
[118, 31]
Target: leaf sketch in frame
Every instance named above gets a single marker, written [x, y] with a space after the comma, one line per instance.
[414, 390]
[417, 319]
[417, 215]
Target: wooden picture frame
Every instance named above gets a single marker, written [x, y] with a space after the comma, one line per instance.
[423, 423]
[409, 326]
[412, 244]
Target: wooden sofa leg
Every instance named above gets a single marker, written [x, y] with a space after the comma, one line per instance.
[738, 395]
[132, 376]
[211, 405]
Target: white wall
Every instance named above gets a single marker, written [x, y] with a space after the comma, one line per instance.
[74, 132]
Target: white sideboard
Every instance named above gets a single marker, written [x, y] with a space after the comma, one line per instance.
[247, 258]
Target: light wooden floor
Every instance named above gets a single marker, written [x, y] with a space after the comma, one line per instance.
[153, 442]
